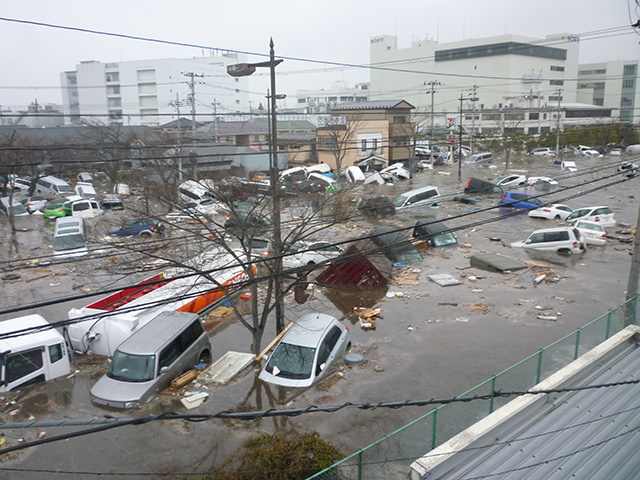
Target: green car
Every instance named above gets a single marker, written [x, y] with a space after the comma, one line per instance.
[56, 208]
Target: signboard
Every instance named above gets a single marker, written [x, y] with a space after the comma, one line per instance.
[450, 140]
[451, 123]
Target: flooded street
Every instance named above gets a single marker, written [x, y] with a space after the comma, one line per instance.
[431, 342]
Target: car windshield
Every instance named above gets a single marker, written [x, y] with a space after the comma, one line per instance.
[18, 209]
[291, 361]
[68, 242]
[444, 239]
[400, 200]
[132, 368]
[64, 188]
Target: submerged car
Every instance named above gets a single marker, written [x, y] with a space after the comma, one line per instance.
[554, 211]
[310, 253]
[565, 240]
[58, 207]
[477, 185]
[520, 200]
[394, 245]
[602, 215]
[511, 180]
[629, 169]
[307, 351]
[594, 233]
[377, 205]
[143, 227]
[436, 234]
[543, 151]
[34, 204]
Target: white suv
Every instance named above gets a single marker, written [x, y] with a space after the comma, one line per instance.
[544, 151]
[562, 240]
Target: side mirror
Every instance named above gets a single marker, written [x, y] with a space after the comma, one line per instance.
[528, 241]
[323, 366]
[265, 358]
[108, 360]
[164, 370]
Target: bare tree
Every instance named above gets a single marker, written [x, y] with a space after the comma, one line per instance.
[339, 135]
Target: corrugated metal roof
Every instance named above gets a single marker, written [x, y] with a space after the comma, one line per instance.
[588, 434]
[296, 137]
[372, 105]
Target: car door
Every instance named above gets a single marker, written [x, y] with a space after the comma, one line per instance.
[327, 351]
[81, 209]
[533, 202]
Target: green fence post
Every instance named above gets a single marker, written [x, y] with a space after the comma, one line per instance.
[433, 428]
[493, 389]
[539, 366]
[575, 355]
[359, 464]
[606, 337]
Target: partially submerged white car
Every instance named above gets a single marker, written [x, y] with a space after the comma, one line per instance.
[594, 233]
[565, 240]
[555, 211]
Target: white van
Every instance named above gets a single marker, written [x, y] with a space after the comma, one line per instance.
[84, 208]
[354, 174]
[53, 186]
[423, 196]
[568, 166]
[69, 239]
[193, 191]
[478, 158]
[33, 357]
[85, 190]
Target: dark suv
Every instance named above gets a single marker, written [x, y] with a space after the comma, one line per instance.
[377, 205]
[143, 227]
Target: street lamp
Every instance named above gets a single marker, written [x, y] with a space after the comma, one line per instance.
[244, 70]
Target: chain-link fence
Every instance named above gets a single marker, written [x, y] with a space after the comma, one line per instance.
[392, 456]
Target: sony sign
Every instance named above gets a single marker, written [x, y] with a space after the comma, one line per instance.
[377, 40]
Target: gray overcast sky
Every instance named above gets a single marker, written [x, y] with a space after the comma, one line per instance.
[331, 30]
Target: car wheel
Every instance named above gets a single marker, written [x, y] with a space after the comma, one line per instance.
[145, 233]
[564, 251]
[557, 217]
[205, 357]
[311, 263]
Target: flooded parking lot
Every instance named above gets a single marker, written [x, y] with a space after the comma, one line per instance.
[431, 341]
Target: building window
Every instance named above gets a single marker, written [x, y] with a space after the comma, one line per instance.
[302, 100]
[544, 116]
[237, 102]
[146, 75]
[346, 99]
[534, 116]
[629, 70]
[237, 80]
[601, 71]
[400, 119]
[533, 130]
[598, 101]
[556, 68]
[228, 139]
[148, 101]
[114, 102]
[556, 82]
[149, 114]
[363, 145]
[113, 77]
[237, 90]
[147, 89]
[555, 98]
[113, 90]
[256, 138]
[628, 83]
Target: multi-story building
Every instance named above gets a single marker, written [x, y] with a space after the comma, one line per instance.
[150, 92]
[611, 84]
[508, 71]
[322, 101]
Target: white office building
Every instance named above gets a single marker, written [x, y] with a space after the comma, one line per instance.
[321, 101]
[611, 84]
[507, 71]
[150, 92]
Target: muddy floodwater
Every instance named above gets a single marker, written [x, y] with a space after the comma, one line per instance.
[430, 342]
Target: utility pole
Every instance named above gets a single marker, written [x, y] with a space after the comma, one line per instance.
[177, 105]
[460, 144]
[473, 99]
[215, 119]
[192, 97]
[558, 125]
[634, 273]
[433, 84]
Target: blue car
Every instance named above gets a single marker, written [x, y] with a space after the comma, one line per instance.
[520, 201]
[143, 227]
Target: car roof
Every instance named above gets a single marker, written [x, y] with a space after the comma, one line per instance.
[148, 339]
[592, 208]
[556, 229]
[308, 330]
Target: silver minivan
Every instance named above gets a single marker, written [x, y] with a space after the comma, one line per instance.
[478, 158]
[423, 196]
[53, 186]
[69, 238]
[146, 362]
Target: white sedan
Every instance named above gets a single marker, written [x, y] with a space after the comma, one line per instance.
[594, 233]
[511, 180]
[591, 153]
[311, 253]
[551, 212]
[534, 180]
